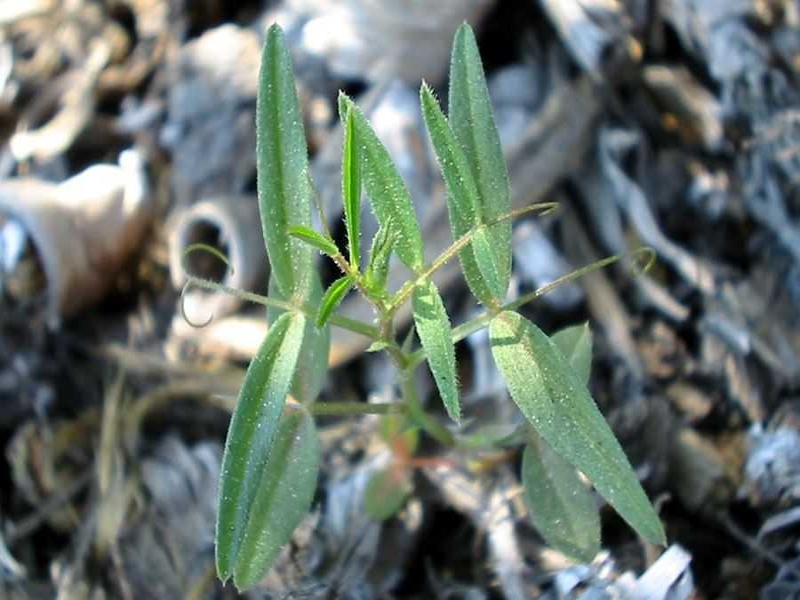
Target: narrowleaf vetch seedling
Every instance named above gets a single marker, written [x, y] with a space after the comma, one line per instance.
[271, 458]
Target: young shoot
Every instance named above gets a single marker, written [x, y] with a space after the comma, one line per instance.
[271, 458]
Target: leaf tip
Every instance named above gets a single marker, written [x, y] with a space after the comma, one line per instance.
[463, 30]
[466, 29]
[455, 416]
[222, 575]
[425, 89]
[242, 586]
[274, 29]
[344, 103]
[655, 533]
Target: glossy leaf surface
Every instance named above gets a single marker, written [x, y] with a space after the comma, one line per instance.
[433, 329]
[252, 431]
[558, 405]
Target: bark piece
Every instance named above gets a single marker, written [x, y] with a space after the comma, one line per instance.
[83, 230]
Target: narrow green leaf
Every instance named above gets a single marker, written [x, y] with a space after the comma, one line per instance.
[462, 196]
[387, 193]
[433, 329]
[351, 188]
[472, 121]
[556, 402]
[461, 187]
[575, 344]
[312, 366]
[561, 507]
[285, 493]
[486, 257]
[377, 272]
[284, 188]
[314, 239]
[333, 296]
[387, 491]
[251, 433]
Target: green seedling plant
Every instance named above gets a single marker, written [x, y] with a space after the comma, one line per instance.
[271, 458]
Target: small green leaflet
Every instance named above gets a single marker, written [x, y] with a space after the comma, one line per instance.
[462, 191]
[351, 188]
[472, 121]
[561, 507]
[377, 272]
[253, 429]
[387, 491]
[284, 187]
[312, 366]
[314, 239]
[462, 199]
[558, 405]
[433, 329]
[486, 257]
[387, 193]
[284, 496]
[333, 296]
[576, 344]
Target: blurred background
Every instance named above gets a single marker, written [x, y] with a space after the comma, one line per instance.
[127, 133]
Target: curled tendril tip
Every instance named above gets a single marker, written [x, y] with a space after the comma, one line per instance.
[216, 252]
[643, 259]
[182, 304]
[548, 208]
[192, 280]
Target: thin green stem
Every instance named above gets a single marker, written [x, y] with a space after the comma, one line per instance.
[402, 295]
[347, 269]
[585, 270]
[440, 261]
[358, 281]
[207, 284]
[320, 208]
[340, 261]
[544, 208]
[417, 413]
[353, 325]
[344, 409]
[476, 324]
[386, 329]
